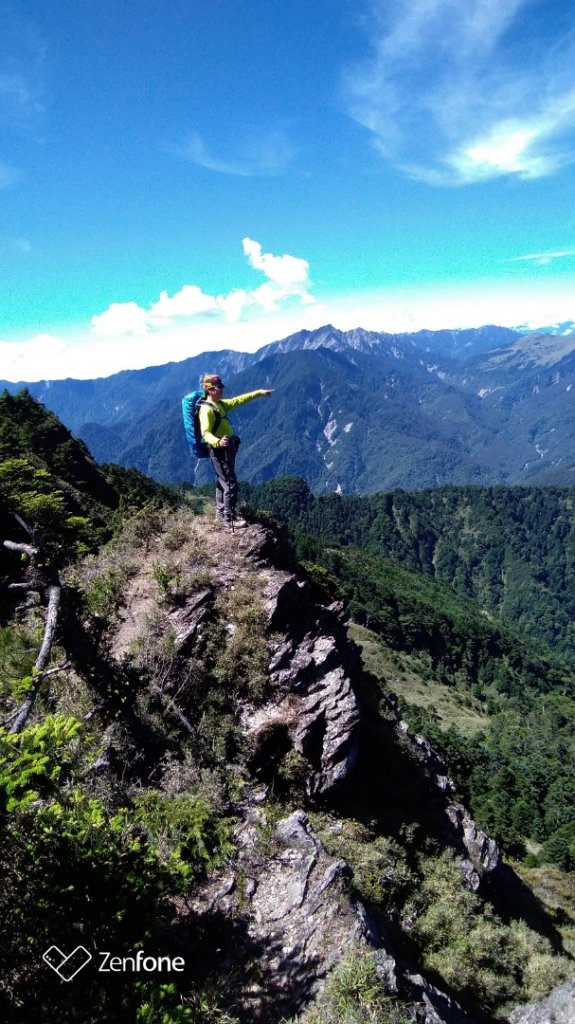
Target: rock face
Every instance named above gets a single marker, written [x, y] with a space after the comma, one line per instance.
[293, 900]
[482, 856]
[483, 853]
[557, 1008]
[283, 912]
[314, 702]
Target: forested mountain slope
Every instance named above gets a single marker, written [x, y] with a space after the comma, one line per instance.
[510, 549]
[354, 411]
[496, 694]
[210, 770]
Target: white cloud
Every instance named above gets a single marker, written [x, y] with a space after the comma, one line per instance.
[121, 318]
[456, 93]
[288, 277]
[234, 304]
[174, 327]
[542, 259]
[32, 359]
[287, 271]
[265, 154]
[287, 281]
[85, 356]
[189, 301]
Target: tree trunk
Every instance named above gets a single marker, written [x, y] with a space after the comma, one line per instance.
[54, 597]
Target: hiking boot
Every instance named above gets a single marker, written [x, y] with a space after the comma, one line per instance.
[236, 524]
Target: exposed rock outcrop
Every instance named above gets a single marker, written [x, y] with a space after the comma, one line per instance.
[482, 856]
[284, 911]
[293, 898]
[557, 1008]
[314, 700]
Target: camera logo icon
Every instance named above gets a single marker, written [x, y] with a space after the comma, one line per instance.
[67, 966]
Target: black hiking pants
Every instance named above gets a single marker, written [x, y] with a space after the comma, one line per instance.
[224, 462]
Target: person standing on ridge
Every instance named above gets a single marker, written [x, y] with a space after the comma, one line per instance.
[223, 444]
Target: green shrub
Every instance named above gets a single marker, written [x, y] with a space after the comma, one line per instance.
[35, 761]
[163, 1005]
[381, 874]
[354, 994]
[484, 961]
[103, 593]
[72, 873]
[183, 831]
[242, 660]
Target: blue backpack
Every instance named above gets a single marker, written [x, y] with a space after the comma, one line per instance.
[190, 411]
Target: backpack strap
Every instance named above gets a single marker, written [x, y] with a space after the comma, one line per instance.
[217, 414]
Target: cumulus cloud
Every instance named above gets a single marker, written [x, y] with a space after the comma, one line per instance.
[456, 93]
[189, 301]
[121, 318]
[286, 271]
[266, 154]
[286, 283]
[42, 352]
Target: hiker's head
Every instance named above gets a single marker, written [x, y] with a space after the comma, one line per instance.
[213, 382]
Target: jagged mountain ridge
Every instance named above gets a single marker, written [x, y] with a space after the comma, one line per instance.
[425, 409]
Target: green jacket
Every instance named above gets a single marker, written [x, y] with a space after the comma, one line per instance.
[207, 416]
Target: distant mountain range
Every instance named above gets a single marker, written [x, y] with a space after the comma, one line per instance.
[353, 411]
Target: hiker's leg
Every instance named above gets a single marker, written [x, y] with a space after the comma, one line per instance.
[232, 483]
[220, 484]
[223, 463]
[219, 499]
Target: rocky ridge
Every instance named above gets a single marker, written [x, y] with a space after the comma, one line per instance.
[283, 912]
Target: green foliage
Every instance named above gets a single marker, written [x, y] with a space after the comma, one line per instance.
[35, 762]
[162, 577]
[382, 874]
[137, 490]
[77, 871]
[163, 1004]
[241, 659]
[184, 831]
[484, 961]
[73, 871]
[354, 994]
[510, 549]
[29, 491]
[560, 847]
[103, 592]
[49, 478]
[17, 656]
[517, 775]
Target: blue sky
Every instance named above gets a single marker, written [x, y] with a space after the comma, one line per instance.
[177, 177]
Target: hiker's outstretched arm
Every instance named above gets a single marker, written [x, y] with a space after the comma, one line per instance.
[232, 403]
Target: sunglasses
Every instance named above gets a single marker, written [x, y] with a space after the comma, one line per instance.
[216, 387]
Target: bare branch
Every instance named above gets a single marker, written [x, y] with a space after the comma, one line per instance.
[25, 710]
[29, 549]
[173, 707]
[38, 679]
[32, 531]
